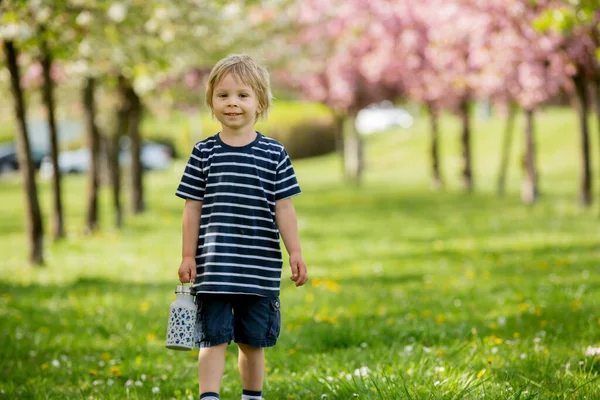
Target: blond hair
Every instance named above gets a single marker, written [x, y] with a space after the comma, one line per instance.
[248, 71]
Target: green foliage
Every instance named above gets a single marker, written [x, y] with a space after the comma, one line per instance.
[412, 294]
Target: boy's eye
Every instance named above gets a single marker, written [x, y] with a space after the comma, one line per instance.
[243, 95]
[222, 95]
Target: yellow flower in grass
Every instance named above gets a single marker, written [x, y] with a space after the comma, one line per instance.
[524, 307]
[44, 366]
[144, 307]
[440, 319]
[480, 373]
[151, 337]
[105, 356]
[115, 370]
[93, 372]
[516, 335]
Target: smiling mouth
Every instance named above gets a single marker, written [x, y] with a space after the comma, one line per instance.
[233, 114]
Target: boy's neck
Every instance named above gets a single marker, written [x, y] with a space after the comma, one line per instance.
[237, 138]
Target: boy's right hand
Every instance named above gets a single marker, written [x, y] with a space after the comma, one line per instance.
[187, 270]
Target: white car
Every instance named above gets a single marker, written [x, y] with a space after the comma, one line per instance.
[154, 156]
[380, 117]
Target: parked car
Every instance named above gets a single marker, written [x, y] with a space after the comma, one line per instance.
[380, 117]
[154, 156]
[10, 162]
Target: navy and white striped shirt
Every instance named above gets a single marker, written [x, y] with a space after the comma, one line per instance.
[238, 244]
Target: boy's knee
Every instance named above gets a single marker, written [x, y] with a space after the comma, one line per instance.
[249, 349]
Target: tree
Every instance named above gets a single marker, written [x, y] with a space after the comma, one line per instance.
[35, 232]
[348, 47]
[577, 22]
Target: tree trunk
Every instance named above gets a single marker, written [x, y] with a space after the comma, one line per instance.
[437, 181]
[597, 102]
[135, 117]
[585, 189]
[506, 146]
[35, 232]
[353, 151]
[57, 225]
[339, 135]
[121, 116]
[93, 140]
[467, 174]
[529, 188]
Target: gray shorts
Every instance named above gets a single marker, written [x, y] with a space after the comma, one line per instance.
[251, 320]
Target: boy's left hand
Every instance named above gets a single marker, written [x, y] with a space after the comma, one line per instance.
[299, 273]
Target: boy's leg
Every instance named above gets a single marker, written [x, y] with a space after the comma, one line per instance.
[257, 322]
[211, 364]
[251, 362]
[214, 331]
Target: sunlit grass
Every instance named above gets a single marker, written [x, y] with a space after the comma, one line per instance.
[413, 294]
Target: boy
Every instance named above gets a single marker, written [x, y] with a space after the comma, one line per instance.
[238, 186]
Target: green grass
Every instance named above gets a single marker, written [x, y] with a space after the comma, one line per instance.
[413, 294]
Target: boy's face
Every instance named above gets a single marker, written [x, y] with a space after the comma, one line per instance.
[234, 103]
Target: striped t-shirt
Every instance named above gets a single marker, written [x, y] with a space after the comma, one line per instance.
[238, 244]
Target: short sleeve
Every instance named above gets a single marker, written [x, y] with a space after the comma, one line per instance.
[286, 184]
[193, 182]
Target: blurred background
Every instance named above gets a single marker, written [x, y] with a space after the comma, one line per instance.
[448, 155]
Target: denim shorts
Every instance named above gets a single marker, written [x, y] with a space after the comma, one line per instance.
[251, 320]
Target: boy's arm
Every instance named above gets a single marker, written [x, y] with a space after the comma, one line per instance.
[192, 212]
[285, 216]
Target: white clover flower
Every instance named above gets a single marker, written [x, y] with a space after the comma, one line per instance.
[362, 371]
[143, 377]
[110, 382]
[129, 383]
[438, 370]
[55, 363]
[437, 383]
[97, 382]
[155, 390]
[523, 356]
[408, 349]
[139, 383]
[592, 351]
[494, 350]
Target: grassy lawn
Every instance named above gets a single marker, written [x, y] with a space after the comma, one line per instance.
[412, 294]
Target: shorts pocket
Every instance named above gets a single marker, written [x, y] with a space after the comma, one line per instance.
[274, 318]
